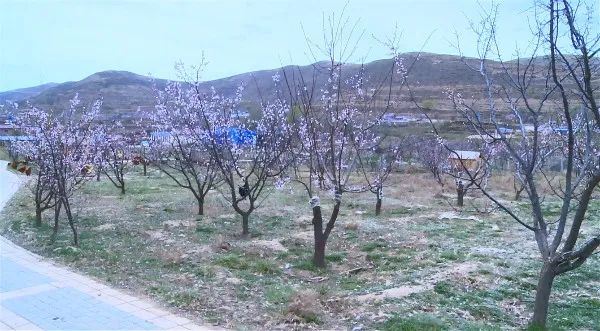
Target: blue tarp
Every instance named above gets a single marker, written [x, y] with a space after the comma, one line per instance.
[236, 136]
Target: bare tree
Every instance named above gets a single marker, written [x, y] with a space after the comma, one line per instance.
[376, 168]
[560, 121]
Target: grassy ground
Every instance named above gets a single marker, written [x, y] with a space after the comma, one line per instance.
[4, 153]
[425, 265]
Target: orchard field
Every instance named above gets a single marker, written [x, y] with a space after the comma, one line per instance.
[255, 203]
[421, 265]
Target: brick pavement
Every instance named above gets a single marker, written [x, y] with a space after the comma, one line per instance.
[38, 295]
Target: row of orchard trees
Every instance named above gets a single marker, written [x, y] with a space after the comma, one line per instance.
[319, 134]
[64, 149]
[322, 137]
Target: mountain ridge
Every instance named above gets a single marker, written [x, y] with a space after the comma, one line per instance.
[124, 92]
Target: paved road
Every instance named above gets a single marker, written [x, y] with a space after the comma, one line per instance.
[9, 183]
[36, 294]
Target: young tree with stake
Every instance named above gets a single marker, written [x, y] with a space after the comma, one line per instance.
[335, 121]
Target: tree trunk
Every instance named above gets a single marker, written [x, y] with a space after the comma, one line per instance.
[518, 195]
[379, 200]
[38, 215]
[123, 187]
[144, 166]
[200, 206]
[320, 240]
[71, 222]
[542, 297]
[56, 218]
[245, 226]
[319, 255]
[518, 189]
[460, 194]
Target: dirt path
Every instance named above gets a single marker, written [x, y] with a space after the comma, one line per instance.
[427, 283]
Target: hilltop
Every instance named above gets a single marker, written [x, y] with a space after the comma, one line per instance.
[24, 93]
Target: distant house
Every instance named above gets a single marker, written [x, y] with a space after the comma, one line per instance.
[552, 129]
[7, 119]
[505, 130]
[8, 139]
[240, 114]
[164, 136]
[392, 119]
[11, 133]
[461, 160]
[562, 130]
[8, 129]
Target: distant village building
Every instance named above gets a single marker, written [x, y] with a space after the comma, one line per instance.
[11, 134]
[393, 119]
[163, 136]
[505, 130]
[465, 160]
[8, 129]
[552, 129]
[7, 119]
[240, 114]
[563, 130]
[5, 139]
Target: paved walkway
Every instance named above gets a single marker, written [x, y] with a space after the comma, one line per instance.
[38, 295]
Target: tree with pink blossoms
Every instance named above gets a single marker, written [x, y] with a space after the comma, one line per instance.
[177, 145]
[42, 186]
[251, 154]
[333, 122]
[63, 145]
[433, 157]
[114, 151]
[248, 154]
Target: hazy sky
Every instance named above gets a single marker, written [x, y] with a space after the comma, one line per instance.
[56, 41]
